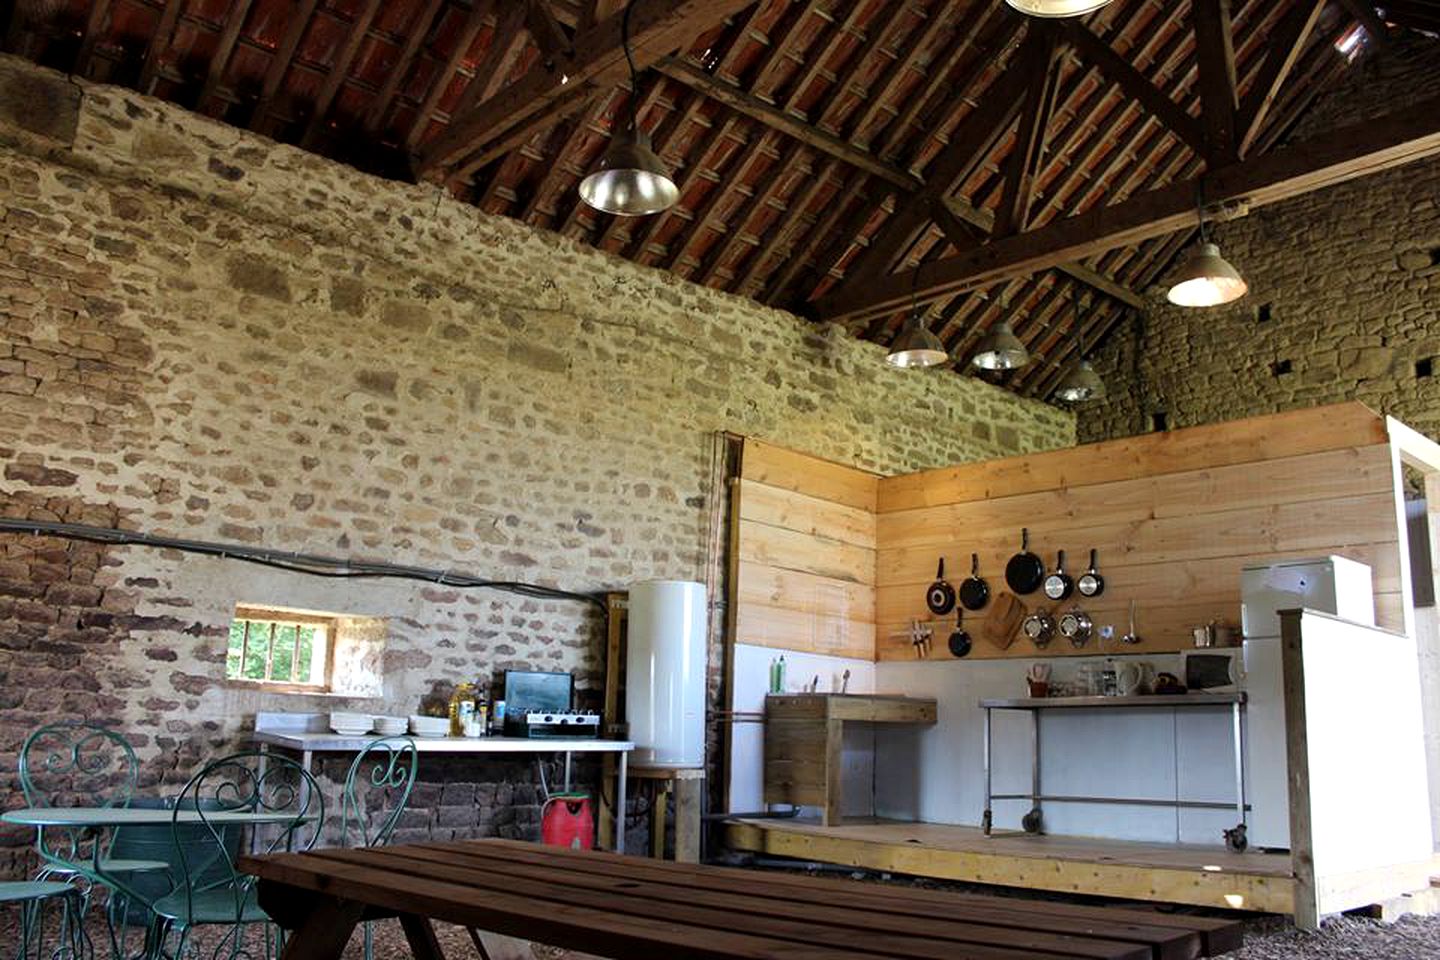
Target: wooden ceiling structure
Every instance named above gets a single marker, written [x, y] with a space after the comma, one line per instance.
[839, 158]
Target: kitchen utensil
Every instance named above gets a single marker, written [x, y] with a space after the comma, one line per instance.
[1168, 683]
[959, 640]
[1058, 585]
[1037, 680]
[920, 639]
[1204, 635]
[1091, 584]
[1128, 677]
[1076, 626]
[1024, 571]
[974, 592]
[1039, 627]
[1131, 637]
[845, 682]
[1006, 614]
[940, 598]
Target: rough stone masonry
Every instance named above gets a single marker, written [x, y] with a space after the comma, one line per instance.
[212, 336]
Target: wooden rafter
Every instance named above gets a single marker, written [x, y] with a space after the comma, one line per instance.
[730, 94]
[1040, 63]
[1364, 11]
[159, 41]
[969, 145]
[479, 14]
[546, 31]
[1339, 156]
[94, 24]
[1286, 45]
[280, 62]
[224, 47]
[1215, 54]
[1135, 84]
[420, 28]
[537, 99]
[339, 70]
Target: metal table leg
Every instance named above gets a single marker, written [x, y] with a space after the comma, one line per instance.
[985, 818]
[1235, 837]
[620, 803]
[1032, 822]
[567, 771]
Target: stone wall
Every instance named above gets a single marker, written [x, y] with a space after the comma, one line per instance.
[211, 336]
[1343, 294]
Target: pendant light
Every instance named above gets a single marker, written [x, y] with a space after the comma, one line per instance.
[915, 346]
[1057, 8]
[1081, 382]
[1000, 349]
[630, 180]
[1206, 279]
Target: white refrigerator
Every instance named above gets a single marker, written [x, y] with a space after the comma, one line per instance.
[1334, 585]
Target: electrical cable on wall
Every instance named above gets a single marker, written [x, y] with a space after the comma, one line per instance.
[310, 564]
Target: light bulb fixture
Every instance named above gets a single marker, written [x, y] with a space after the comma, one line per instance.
[630, 180]
[1206, 279]
[1081, 382]
[1057, 8]
[1000, 349]
[915, 346]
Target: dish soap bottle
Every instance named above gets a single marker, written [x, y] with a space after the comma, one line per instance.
[462, 708]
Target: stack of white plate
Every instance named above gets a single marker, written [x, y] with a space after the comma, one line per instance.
[391, 726]
[351, 724]
[429, 726]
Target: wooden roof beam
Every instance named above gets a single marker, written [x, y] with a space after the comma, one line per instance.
[339, 70]
[742, 101]
[1363, 11]
[1215, 57]
[1139, 87]
[545, 30]
[1041, 63]
[280, 60]
[541, 96]
[1286, 45]
[1336, 157]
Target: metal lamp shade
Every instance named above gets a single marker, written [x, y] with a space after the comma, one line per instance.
[630, 181]
[1081, 383]
[1057, 8]
[1000, 349]
[916, 346]
[1206, 280]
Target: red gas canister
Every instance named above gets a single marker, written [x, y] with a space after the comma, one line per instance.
[566, 821]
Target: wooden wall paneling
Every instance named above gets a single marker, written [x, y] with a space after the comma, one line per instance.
[804, 554]
[789, 470]
[1243, 441]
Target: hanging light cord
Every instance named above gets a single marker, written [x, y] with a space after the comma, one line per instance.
[634, 74]
[1200, 208]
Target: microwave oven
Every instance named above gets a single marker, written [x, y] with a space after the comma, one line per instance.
[1212, 670]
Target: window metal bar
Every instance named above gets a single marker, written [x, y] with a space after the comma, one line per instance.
[270, 653]
[295, 655]
[245, 649]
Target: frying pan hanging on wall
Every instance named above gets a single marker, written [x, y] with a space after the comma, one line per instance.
[1091, 584]
[940, 598]
[974, 592]
[1025, 571]
[1058, 585]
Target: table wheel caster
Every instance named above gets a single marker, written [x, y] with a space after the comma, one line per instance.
[985, 823]
[1030, 823]
[1235, 838]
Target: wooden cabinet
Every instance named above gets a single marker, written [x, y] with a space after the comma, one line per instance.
[804, 736]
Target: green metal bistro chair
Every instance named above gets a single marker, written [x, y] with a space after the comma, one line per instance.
[82, 764]
[213, 891]
[377, 790]
[31, 896]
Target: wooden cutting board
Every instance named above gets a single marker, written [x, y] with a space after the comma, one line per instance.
[1006, 615]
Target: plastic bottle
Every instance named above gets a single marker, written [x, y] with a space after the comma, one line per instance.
[780, 676]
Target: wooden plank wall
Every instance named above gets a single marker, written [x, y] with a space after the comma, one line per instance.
[1174, 516]
[804, 553]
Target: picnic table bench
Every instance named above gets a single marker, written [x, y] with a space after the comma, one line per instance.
[628, 907]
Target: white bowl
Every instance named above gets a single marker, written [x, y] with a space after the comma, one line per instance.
[391, 726]
[429, 726]
[350, 731]
[341, 719]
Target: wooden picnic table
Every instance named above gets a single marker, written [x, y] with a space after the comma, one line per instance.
[628, 907]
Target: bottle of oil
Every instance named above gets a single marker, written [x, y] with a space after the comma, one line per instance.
[462, 708]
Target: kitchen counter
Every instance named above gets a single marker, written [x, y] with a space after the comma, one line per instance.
[315, 742]
[1142, 700]
[804, 740]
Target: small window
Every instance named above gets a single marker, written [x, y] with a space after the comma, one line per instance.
[280, 649]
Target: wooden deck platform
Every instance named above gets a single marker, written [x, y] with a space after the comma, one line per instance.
[1164, 873]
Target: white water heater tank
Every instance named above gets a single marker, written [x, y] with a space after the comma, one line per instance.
[665, 672]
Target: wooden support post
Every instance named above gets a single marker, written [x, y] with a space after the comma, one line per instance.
[1215, 52]
[1024, 164]
[615, 607]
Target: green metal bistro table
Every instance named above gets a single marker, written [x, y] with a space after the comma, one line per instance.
[92, 820]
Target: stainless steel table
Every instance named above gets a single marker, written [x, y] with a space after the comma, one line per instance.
[1032, 822]
[307, 744]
